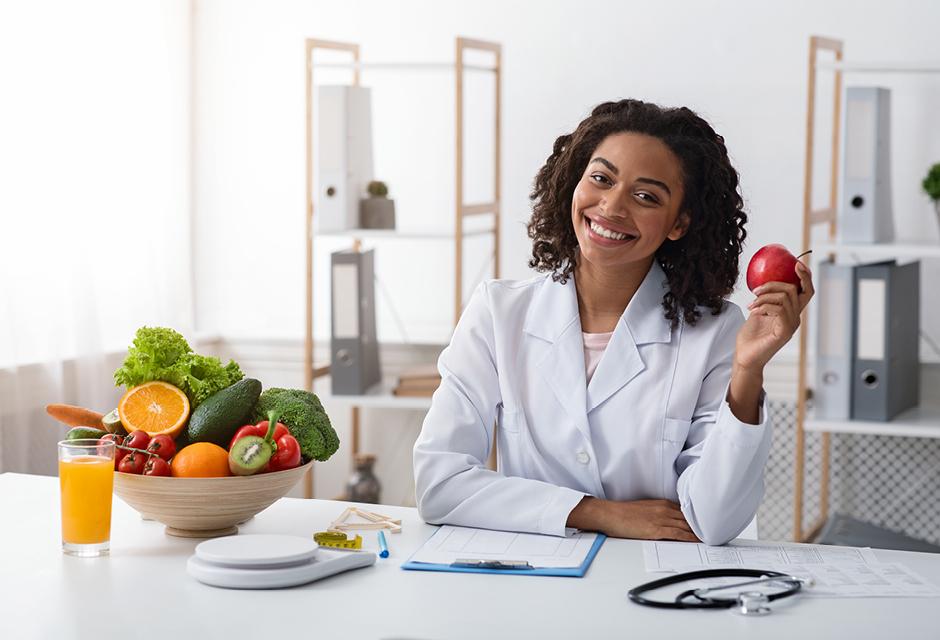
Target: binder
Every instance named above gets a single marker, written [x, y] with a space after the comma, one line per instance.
[886, 371]
[835, 341]
[499, 565]
[354, 349]
[865, 211]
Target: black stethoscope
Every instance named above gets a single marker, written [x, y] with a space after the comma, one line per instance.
[749, 603]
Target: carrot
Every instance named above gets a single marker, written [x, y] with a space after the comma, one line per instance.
[75, 416]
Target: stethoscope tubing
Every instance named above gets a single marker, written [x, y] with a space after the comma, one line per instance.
[682, 600]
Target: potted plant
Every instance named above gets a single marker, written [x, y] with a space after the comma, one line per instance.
[378, 210]
[931, 186]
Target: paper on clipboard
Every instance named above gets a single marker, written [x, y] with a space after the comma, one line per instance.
[450, 544]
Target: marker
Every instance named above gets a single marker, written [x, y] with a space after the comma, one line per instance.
[383, 545]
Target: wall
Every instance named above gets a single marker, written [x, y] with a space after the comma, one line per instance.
[741, 65]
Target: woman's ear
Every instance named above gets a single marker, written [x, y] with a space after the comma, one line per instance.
[681, 226]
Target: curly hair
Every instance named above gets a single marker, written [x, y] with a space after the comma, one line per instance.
[702, 266]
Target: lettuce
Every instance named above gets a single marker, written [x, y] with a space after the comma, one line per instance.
[159, 353]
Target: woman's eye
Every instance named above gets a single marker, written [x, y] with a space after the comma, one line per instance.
[600, 177]
[648, 197]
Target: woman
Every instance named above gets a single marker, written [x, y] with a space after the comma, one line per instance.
[626, 392]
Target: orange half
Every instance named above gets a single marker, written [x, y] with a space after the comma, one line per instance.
[155, 407]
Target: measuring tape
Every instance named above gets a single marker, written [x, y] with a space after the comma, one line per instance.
[337, 540]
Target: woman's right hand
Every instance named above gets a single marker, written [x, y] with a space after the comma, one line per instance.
[639, 519]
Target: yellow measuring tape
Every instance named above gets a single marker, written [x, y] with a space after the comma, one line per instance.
[337, 540]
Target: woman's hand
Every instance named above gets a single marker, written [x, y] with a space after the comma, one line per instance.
[775, 317]
[641, 519]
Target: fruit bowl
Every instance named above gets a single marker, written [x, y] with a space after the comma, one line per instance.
[204, 507]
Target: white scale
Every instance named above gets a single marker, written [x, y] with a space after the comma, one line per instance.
[269, 561]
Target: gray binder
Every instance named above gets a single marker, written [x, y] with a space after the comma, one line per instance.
[354, 350]
[886, 372]
[835, 341]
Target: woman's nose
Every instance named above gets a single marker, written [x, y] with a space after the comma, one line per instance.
[614, 203]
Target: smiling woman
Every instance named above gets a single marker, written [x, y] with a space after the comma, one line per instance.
[626, 391]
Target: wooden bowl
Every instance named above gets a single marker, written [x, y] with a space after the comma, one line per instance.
[204, 507]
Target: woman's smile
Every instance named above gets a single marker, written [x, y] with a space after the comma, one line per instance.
[606, 235]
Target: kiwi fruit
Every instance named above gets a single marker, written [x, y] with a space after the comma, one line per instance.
[249, 455]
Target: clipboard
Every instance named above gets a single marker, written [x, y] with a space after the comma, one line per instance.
[509, 567]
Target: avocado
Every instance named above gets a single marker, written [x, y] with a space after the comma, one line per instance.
[218, 418]
[79, 433]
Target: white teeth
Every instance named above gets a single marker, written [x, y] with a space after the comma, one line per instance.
[607, 233]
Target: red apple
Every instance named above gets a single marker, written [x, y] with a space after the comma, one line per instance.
[773, 263]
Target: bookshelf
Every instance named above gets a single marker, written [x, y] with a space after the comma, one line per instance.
[382, 396]
[920, 422]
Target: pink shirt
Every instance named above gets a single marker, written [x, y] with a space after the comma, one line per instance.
[594, 346]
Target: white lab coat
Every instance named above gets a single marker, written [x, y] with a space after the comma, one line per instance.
[653, 423]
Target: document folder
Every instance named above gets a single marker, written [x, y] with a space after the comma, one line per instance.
[450, 544]
[886, 372]
[832, 397]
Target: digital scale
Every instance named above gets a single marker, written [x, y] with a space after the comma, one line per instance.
[269, 561]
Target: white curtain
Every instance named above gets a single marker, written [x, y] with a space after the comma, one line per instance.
[94, 203]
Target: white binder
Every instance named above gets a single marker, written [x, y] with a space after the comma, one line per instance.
[344, 155]
[835, 341]
[865, 213]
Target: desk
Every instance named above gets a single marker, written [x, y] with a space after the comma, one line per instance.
[42, 591]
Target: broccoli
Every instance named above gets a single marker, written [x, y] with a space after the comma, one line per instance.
[303, 415]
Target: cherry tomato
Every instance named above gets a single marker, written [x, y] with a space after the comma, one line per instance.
[133, 462]
[260, 430]
[163, 446]
[118, 452]
[137, 440]
[156, 466]
[287, 455]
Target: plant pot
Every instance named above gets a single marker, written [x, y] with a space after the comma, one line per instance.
[377, 213]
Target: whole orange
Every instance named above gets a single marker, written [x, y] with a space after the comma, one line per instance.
[200, 460]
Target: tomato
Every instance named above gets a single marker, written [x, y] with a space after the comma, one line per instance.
[133, 462]
[287, 455]
[156, 466]
[137, 440]
[260, 430]
[118, 452]
[162, 445]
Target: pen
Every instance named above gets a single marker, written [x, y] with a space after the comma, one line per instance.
[383, 545]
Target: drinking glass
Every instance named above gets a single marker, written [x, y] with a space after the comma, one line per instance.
[86, 479]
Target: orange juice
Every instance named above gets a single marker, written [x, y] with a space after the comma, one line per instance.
[86, 483]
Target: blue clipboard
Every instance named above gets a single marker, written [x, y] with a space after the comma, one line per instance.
[565, 572]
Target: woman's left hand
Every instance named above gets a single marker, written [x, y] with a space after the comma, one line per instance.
[775, 317]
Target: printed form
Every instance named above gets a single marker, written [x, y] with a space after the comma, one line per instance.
[835, 571]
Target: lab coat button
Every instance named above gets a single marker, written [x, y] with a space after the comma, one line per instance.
[583, 457]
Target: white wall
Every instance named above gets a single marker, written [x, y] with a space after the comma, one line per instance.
[742, 65]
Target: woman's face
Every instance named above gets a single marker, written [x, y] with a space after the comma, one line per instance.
[627, 201]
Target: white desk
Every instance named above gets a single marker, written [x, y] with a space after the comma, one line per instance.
[43, 592]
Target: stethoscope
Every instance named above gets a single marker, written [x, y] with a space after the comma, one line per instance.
[749, 603]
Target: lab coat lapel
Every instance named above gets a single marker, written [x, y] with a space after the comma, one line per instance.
[553, 318]
[642, 322]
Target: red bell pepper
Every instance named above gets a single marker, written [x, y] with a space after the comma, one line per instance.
[287, 450]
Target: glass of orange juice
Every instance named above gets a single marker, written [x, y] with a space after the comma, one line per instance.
[86, 479]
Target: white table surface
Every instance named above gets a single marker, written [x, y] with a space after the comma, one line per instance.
[142, 590]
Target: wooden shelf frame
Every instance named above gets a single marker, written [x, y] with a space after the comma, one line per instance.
[813, 217]
[462, 210]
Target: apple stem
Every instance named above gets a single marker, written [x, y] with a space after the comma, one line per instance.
[803, 254]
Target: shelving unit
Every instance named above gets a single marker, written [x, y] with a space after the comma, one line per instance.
[381, 396]
[921, 422]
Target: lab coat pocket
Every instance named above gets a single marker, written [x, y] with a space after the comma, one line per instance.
[675, 432]
[510, 443]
